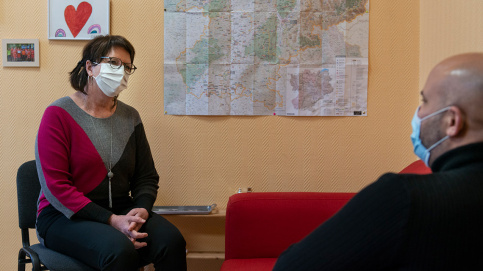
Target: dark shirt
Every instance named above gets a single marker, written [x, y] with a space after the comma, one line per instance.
[404, 222]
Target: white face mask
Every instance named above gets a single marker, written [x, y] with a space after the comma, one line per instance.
[111, 81]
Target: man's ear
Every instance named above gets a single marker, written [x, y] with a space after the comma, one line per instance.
[455, 121]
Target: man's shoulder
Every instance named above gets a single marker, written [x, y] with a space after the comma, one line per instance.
[423, 187]
[397, 186]
[387, 189]
[407, 181]
[395, 179]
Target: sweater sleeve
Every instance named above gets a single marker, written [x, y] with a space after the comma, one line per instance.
[365, 234]
[94, 212]
[144, 185]
[53, 151]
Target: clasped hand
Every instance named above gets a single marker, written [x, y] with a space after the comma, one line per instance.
[130, 224]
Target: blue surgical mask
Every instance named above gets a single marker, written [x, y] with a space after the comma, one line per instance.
[419, 149]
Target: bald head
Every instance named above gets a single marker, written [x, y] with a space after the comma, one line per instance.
[458, 81]
[456, 86]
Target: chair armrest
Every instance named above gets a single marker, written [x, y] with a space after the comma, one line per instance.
[34, 258]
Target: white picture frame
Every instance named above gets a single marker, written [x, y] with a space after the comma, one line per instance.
[78, 19]
[20, 52]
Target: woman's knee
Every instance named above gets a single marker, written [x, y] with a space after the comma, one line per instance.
[165, 236]
[170, 252]
[121, 255]
[176, 238]
[170, 235]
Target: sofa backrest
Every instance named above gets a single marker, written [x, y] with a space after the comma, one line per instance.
[263, 225]
[416, 167]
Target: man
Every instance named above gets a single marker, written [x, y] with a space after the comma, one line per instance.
[416, 222]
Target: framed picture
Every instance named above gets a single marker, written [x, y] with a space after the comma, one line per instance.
[78, 19]
[20, 52]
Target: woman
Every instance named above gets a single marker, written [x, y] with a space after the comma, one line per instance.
[97, 173]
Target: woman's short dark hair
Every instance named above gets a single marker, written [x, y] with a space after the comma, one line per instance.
[93, 51]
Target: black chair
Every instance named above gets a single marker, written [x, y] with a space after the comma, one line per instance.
[41, 258]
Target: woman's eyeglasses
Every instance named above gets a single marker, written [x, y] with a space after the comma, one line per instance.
[116, 63]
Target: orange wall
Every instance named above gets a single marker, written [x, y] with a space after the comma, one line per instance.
[203, 160]
[449, 27]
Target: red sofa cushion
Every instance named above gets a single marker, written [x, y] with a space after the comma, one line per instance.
[260, 264]
[263, 225]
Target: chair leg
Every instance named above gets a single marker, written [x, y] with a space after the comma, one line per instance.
[22, 260]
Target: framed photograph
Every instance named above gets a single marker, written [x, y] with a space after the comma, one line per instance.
[78, 19]
[20, 52]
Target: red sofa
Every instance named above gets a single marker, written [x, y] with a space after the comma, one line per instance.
[260, 226]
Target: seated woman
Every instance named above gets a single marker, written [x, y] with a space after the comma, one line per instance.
[97, 174]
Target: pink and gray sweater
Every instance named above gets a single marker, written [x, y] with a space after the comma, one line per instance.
[73, 152]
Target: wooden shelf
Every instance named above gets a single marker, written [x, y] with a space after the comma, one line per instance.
[214, 213]
[206, 255]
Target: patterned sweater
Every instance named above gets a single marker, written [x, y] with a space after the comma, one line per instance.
[73, 153]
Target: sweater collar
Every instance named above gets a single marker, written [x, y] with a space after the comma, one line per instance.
[465, 156]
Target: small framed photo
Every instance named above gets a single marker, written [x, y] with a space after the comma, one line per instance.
[20, 52]
[78, 19]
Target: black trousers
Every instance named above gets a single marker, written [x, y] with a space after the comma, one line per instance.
[105, 248]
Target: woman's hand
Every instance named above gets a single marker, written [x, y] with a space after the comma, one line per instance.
[139, 212]
[129, 225]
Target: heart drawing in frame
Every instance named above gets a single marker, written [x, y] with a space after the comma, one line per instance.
[77, 19]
